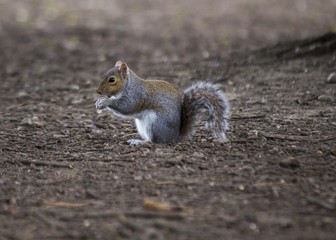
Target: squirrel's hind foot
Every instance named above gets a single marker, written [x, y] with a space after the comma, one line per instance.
[136, 142]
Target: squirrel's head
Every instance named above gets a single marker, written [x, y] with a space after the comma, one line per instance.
[113, 80]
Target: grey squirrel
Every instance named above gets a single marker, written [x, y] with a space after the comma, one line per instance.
[162, 114]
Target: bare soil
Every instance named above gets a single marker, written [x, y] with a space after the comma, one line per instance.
[66, 172]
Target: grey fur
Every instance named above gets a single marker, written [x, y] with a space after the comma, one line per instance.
[205, 96]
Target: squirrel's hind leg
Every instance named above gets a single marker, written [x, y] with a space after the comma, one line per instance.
[165, 132]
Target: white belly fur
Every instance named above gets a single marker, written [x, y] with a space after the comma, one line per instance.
[143, 124]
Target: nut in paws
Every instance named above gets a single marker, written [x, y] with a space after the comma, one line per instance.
[102, 103]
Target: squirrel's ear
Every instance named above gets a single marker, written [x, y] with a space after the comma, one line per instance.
[118, 63]
[122, 68]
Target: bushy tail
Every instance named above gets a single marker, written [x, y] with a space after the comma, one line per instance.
[205, 96]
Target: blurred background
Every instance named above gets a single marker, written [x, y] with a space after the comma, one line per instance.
[58, 42]
[215, 24]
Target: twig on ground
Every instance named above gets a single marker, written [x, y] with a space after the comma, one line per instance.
[46, 220]
[130, 214]
[159, 206]
[294, 138]
[65, 204]
[129, 135]
[42, 163]
[247, 117]
[108, 161]
[129, 155]
[244, 140]
[322, 204]
[317, 213]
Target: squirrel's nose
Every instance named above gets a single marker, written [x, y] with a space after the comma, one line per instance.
[99, 91]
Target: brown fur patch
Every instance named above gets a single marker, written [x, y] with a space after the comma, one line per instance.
[159, 86]
[110, 89]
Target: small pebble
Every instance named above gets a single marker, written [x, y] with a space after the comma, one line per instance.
[86, 223]
[198, 155]
[138, 178]
[60, 136]
[331, 78]
[32, 121]
[289, 163]
[285, 222]
[274, 150]
[22, 94]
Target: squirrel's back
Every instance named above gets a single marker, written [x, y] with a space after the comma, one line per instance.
[162, 90]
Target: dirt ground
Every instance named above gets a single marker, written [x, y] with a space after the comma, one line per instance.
[66, 172]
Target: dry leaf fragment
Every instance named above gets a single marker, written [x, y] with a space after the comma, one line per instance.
[64, 204]
[158, 206]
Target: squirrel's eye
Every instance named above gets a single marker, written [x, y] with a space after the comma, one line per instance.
[111, 80]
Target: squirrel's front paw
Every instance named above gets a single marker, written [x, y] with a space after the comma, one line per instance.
[102, 103]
